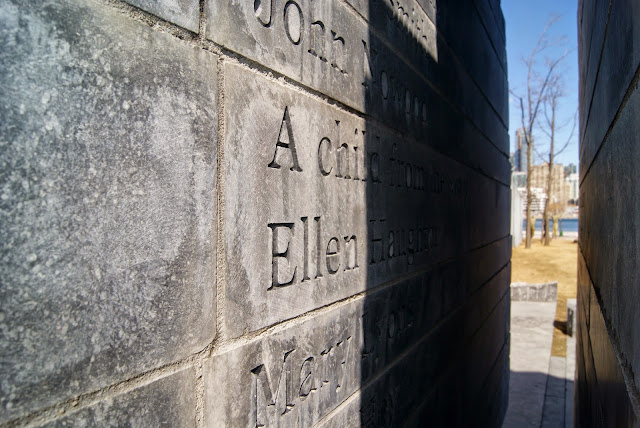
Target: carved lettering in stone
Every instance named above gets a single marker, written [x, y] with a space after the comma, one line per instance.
[293, 22]
[279, 400]
[278, 254]
[339, 254]
[264, 11]
[290, 144]
[277, 390]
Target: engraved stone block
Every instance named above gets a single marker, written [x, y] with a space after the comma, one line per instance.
[296, 375]
[328, 47]
[107, 200]
[321, 204]
[414, 379]
[471, 78]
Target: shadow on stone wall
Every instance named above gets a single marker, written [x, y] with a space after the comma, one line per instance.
[435, 327]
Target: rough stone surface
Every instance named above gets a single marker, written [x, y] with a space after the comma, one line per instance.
[408, 386]
[107, 200]
[298, 375]
[553, 412]
[615, 71]
[185, 13]
[547, 292]
[353, 155]
[326, 46]
[168, 402]
[321, 205]
[608, 330]
[531, 337]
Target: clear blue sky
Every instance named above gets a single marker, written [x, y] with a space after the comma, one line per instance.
[524, 21]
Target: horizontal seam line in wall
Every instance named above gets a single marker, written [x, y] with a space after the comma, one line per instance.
[496, 17]
[374, 31]
[314, 94]
[486, 30]
[629, 92]
[87, 399]
[493, 365]
[627, 375]
[250, 337]
[595, 82]
[207, 45]
[591, 35]
[440, 324]
[81, 401]
[477, 85]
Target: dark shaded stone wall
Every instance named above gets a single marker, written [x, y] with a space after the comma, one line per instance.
[264, 213]
[608, 345]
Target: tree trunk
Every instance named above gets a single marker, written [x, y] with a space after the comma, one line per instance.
[527, 138]
[547, 235]
[545, 215]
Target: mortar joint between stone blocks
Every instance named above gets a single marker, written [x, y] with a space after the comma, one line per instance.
[202, 21]
[87, 399]
[221, 263]
[199, 392]
[274, 76]
[633, 84]
[153, 21]
[200, 41]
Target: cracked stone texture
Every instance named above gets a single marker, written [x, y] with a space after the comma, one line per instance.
[107, 202]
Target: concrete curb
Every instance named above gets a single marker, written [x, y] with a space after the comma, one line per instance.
[523, 292]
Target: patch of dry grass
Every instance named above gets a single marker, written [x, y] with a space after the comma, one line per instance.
[557, 262]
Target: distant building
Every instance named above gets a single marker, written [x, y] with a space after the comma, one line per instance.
[572, 181]
[559, 187]
[570, 169]
[518, 179]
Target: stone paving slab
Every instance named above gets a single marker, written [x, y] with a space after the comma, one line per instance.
[531, 337]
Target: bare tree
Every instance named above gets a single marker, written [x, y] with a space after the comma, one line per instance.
[538, 78]
[555, 91]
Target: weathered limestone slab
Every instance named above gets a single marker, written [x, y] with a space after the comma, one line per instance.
[296, 375]
[615, 72]
[492, 26]
[326, 46]
[185, 13]
[107, 201]
[167, 402]
[410, 380]
[321, 205]
[473, 49]
[608, 192]
[591, 39]
[412, 32]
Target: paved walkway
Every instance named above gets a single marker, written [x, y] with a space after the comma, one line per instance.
[541, 386]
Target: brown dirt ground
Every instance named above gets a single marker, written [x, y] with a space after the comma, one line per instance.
[557, 262]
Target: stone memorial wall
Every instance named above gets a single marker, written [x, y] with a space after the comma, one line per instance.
[254, 213]
[608, 330]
